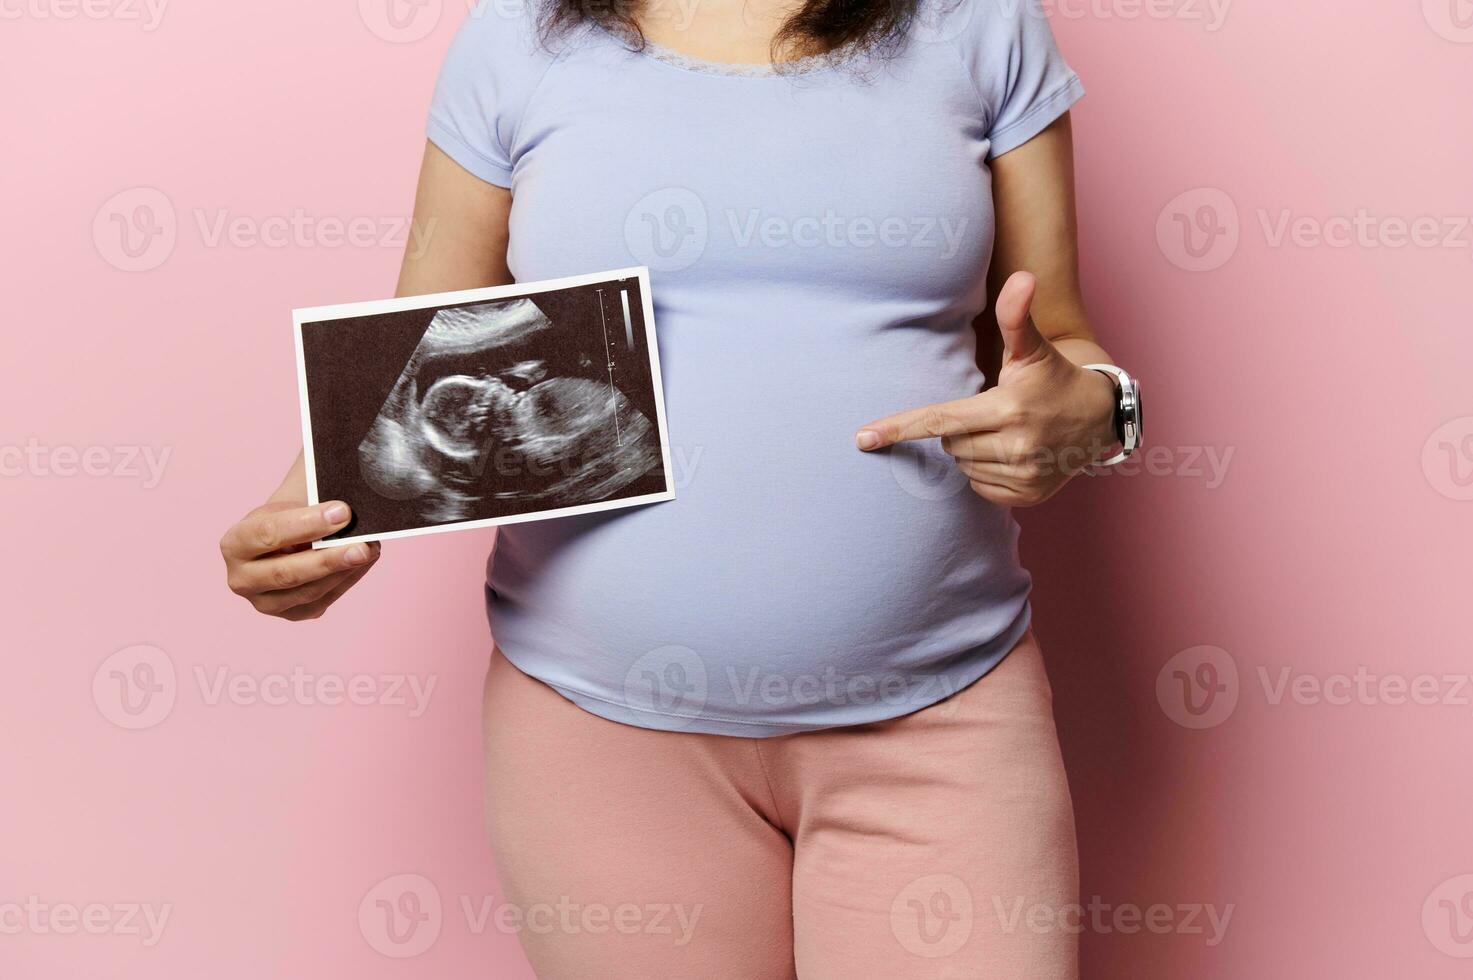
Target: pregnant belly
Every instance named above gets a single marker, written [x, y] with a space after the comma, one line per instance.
[777, 554]
[785, 547]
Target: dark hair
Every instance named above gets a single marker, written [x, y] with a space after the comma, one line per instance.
[821, 27]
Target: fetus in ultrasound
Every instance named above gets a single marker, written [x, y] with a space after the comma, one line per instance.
[496, 404]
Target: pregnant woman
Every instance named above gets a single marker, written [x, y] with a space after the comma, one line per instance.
[793, 723]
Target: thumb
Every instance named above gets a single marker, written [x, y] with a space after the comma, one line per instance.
[1021, 340]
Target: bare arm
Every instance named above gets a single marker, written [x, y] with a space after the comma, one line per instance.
[460, 240]
[462, 228]
[1046, 418]
[1038, 232]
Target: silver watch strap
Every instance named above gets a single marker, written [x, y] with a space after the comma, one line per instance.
[1128, 408]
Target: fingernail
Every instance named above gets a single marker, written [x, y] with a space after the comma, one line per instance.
[867, 439]
[336, 514]
[357, 555]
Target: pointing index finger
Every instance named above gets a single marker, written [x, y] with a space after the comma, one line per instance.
[953, 418]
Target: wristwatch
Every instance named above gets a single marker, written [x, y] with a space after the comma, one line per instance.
[1127, 412]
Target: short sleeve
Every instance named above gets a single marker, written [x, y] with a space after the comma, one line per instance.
[1021, 78]
[488, 76]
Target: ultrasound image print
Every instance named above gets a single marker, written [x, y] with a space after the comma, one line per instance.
[507, 407]
[467, 420]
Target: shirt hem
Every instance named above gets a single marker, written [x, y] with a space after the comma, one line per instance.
[996, 650]
[1037, 119]
[466, 156]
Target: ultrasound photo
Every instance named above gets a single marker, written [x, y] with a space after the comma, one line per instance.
[492, 406]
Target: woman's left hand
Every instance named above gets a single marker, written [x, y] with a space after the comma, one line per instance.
[1020, 442]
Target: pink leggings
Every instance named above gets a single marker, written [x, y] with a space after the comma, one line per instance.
[938, 844]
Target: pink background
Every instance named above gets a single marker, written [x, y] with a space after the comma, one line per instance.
[1339, 537]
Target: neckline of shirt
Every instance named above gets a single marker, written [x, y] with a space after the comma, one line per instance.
[810, 65]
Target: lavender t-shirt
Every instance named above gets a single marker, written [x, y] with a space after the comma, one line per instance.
[819, 244]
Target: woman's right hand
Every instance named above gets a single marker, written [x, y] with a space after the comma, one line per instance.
[269, 560]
